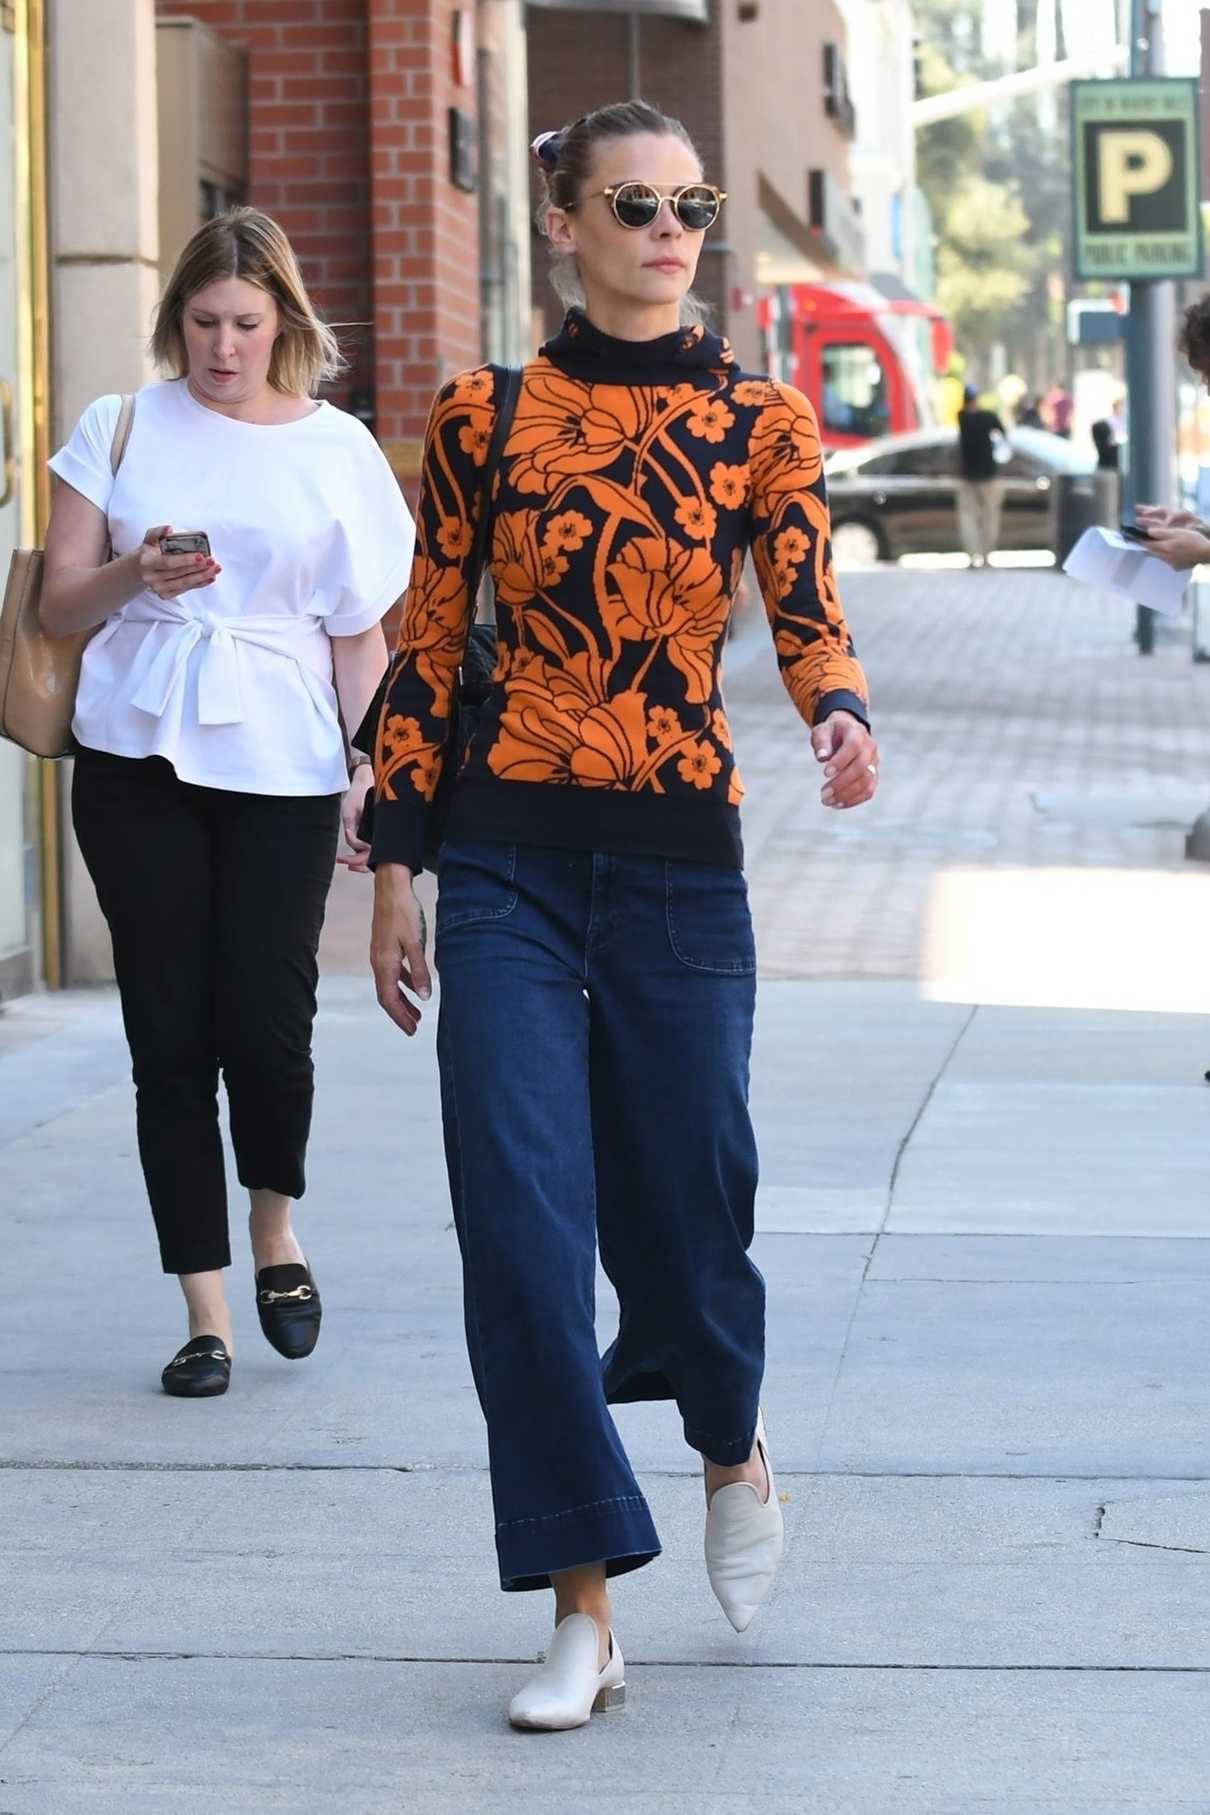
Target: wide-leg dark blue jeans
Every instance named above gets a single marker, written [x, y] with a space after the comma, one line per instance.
[594, 1039]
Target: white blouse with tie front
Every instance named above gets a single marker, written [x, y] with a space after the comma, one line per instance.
[233, 683]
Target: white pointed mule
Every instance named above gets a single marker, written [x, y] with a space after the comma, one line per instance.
[744, 1541]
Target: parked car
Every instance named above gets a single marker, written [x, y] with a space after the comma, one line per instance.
[899, 495]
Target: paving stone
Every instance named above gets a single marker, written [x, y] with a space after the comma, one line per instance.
[380, 1737]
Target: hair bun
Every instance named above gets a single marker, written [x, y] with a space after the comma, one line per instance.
[546, 148]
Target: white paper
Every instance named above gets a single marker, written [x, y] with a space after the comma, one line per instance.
[1106, 558]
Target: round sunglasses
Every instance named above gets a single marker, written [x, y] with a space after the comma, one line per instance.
[696, 205]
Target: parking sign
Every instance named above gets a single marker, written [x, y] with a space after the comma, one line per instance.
[1136, 163]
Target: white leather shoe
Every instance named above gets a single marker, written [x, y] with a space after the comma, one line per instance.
[570, 1688]
[744, 1541]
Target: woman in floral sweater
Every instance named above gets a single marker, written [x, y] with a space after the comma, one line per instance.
[593, 934]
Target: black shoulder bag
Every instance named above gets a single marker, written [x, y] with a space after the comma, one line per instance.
[473, 685]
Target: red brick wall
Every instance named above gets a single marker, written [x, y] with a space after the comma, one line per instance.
[578, 61]
[309, 151]
[425, 231]
[348, 146]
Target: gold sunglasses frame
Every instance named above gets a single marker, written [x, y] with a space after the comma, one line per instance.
[665, 195]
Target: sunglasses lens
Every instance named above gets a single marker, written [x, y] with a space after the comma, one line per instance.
[635, 205]
[698, 209]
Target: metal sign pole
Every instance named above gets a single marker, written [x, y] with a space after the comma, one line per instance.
[1149, 351]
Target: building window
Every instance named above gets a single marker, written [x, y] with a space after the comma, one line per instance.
[215, 199]
[837, 100]
[854, 391]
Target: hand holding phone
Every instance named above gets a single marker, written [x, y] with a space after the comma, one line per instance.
[185, 542]
[171, 562]
[1135, 532]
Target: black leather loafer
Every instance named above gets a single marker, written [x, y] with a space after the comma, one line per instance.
[287, 1303]
[198, 1371]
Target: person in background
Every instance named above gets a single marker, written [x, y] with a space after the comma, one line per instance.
[1058, 408]
[1106, 444]
[980, 488]
[1030, 414]
[211, 768]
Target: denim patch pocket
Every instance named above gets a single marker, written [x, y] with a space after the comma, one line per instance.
[709, 924]
[475, 881]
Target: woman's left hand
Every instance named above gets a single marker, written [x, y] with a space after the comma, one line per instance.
[850, 755]
[1180, 548]
[350, 818]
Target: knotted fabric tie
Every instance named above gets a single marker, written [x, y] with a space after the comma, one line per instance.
[219, 695]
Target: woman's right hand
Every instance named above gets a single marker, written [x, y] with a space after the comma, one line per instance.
[168, 576]
[397, 941]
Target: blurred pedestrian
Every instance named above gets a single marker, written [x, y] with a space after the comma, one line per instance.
[1030, 415]
[593, 934]
[208, 786]
[1058, 408]
[981, 435]
[1106, 444]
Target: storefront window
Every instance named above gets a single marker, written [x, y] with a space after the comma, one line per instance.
[854, 398]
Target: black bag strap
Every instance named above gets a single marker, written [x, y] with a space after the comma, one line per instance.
[506, 409]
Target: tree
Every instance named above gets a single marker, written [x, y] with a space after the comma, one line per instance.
[999, 189]
[985, 266]
[947, 153]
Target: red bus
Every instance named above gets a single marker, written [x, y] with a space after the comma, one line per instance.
[867, 361]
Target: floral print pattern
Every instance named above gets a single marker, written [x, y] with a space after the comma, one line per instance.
[622, 515]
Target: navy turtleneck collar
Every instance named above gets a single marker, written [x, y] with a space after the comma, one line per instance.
[584, 351]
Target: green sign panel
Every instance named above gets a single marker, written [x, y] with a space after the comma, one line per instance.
[1136, 162]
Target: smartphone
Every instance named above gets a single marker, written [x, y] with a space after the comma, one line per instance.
[186, 542]
[1135, 532]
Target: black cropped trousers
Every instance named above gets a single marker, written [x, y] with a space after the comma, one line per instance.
[215, 903]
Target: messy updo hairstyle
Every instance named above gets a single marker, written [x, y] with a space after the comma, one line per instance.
[567, 157]
[246, 243]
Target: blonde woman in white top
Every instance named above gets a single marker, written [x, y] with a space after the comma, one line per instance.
[212, 764]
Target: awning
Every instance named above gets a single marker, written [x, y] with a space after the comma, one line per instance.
[697, 12]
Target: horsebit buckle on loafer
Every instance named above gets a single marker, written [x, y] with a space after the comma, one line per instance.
[302, 1293]
[182, 1361]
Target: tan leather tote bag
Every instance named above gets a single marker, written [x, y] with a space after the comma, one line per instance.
[39, 674]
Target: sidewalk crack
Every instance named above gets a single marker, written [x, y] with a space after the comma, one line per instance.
[923, 1110]
[650, 1663]
[929, 1094]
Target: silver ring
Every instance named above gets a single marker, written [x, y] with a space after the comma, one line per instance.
[873, 769]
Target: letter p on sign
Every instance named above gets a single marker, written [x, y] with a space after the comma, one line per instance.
[1132, 164]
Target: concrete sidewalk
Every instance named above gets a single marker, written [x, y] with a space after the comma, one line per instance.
[985, 1240]
[985, 1237]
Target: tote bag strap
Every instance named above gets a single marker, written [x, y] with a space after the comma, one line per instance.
[367, 731]
[121, 433]
[505, 412]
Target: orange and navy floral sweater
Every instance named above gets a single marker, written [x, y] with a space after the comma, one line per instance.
[633, 481]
